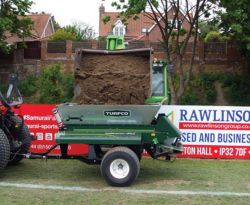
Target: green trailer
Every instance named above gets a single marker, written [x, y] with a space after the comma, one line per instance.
[118, 131]
[117, 136]
[120, 94]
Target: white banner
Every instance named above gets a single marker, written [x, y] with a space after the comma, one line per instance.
[212, 131]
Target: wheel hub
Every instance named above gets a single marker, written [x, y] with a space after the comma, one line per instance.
[119, 168]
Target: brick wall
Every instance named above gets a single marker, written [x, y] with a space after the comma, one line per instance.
[63, 53]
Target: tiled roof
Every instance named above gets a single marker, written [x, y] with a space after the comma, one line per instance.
[40, 21]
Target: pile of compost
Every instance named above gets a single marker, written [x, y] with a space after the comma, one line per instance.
[112, 79]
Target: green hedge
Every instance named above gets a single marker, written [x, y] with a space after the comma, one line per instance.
[52, 86]
[237, 89]
[29, 86]
[201, 91]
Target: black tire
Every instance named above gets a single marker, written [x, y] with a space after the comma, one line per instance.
[127, 160]
[4, 150]
[23, 136]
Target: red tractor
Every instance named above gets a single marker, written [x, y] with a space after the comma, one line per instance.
[15, 137]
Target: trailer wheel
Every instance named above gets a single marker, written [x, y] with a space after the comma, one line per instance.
[23, 135]
[4, 150]
[120, 166]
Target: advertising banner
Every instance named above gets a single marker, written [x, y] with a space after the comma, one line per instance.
[43, 125]
[207, 131]
[212, 131]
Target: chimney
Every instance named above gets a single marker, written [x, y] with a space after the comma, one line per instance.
[101, 10]
[101, 13]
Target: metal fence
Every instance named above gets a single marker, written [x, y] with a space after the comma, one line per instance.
[56, 47]
[215, 47]
[102, 45]
[136, 44]
[32, 53]
[32, 50]
[211, 51]
[81, 44]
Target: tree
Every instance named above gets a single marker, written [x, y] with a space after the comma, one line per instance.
[81, 30]
[235, 21]
[75, 32]
[206, 27]
[174, 39]
[212, 36]
[13, 21]
[62, 35]
[55, 23]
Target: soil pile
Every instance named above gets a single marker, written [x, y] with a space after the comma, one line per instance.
[112, 79]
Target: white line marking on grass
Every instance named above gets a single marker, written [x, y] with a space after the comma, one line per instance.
[195, 193]
[50, 187]
[122, 190]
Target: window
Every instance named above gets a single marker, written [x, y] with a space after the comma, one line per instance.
[170, 23]
[116, 31]
[158, 81]
[119, 28]
[175, 26]
[121, 33]
[144, 30]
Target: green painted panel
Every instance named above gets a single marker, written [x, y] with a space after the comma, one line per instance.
[98, 138]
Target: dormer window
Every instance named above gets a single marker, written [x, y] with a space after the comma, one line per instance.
[119, 28]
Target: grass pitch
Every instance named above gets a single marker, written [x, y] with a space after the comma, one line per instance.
[182, 174]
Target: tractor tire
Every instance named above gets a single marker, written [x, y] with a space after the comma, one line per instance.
[24, 137]
[4, 150]
[120, 167]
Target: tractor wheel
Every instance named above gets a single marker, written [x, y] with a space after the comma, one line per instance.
[23, 136]
[4, 150]
[120, 166]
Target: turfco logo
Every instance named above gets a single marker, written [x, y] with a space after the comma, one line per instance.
[117, 113]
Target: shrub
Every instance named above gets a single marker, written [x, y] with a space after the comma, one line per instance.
[208, 86]
[29, 86]
[190, 98]
[236, 88]
[212, 36]
[55, 87]
[62, 35]
[200, 91]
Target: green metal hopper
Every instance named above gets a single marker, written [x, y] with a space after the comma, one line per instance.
[115, 125]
